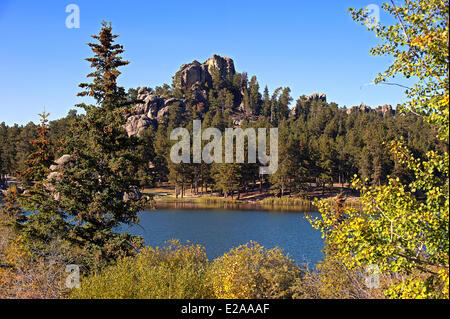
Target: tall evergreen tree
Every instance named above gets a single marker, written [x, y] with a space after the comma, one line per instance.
[98, 186]
[254, 96]
[38, 162]
[283, 105]
[266, 103]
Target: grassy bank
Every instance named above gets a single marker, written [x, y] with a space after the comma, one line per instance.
[285, 201]
[200, 200]
[267, 203]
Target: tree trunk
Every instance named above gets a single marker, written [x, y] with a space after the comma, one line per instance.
[260, 184]
[182, 189]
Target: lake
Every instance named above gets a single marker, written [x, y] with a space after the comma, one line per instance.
[219, 229]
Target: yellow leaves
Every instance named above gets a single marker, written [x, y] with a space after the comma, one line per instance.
[25, 275]
[179, 271]
[444, 100]
[444, 277]
[16, 253]
[394, 228]
[174, 271]
[418, 42]
[251, 271]
[423, 41]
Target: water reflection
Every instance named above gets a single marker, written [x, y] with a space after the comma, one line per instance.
[234, 206]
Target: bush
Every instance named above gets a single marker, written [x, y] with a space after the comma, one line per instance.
[251, 271]
[332, 280]
[173, 272]
[25, 274]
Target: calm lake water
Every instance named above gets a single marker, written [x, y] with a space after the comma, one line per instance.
[219, 230]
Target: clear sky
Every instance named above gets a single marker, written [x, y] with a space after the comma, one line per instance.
[310, 46]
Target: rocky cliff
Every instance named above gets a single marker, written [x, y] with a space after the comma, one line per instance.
[199, 75]
[194, 77]
[317, 97]
[384, 110]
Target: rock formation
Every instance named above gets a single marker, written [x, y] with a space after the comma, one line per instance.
[151, 110]
[137, 123]
[194, 77]
[55, 175]
[362, 108]
[66, 160]
[317, 97]
[199, 75]
[384, 110]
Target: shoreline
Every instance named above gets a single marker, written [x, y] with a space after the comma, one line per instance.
[253, 200]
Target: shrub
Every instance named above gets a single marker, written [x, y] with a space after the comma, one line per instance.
[173, 272]
[25, 274]
[331, 279]
[252, 271]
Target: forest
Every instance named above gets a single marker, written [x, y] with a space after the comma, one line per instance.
[67, 185]
[320, 142]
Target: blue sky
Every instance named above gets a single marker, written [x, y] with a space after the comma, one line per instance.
[310, 46]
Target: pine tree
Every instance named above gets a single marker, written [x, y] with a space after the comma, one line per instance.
[23, 147]
[38, 163]
[266, 103]
[274, 106]
[292, 166]
[46, 221]
[99, 186]
[283, 105]
[10, 212]
[254, 96]
[217, 82]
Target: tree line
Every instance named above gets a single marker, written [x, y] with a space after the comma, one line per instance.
[320, 143]
[69, 213]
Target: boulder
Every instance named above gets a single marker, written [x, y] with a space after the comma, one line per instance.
[137, 123]
[144, 90]
[55, 174]
[163, 112]
[63, 160]
[170, 102]
[150, 105]
[198, 94]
